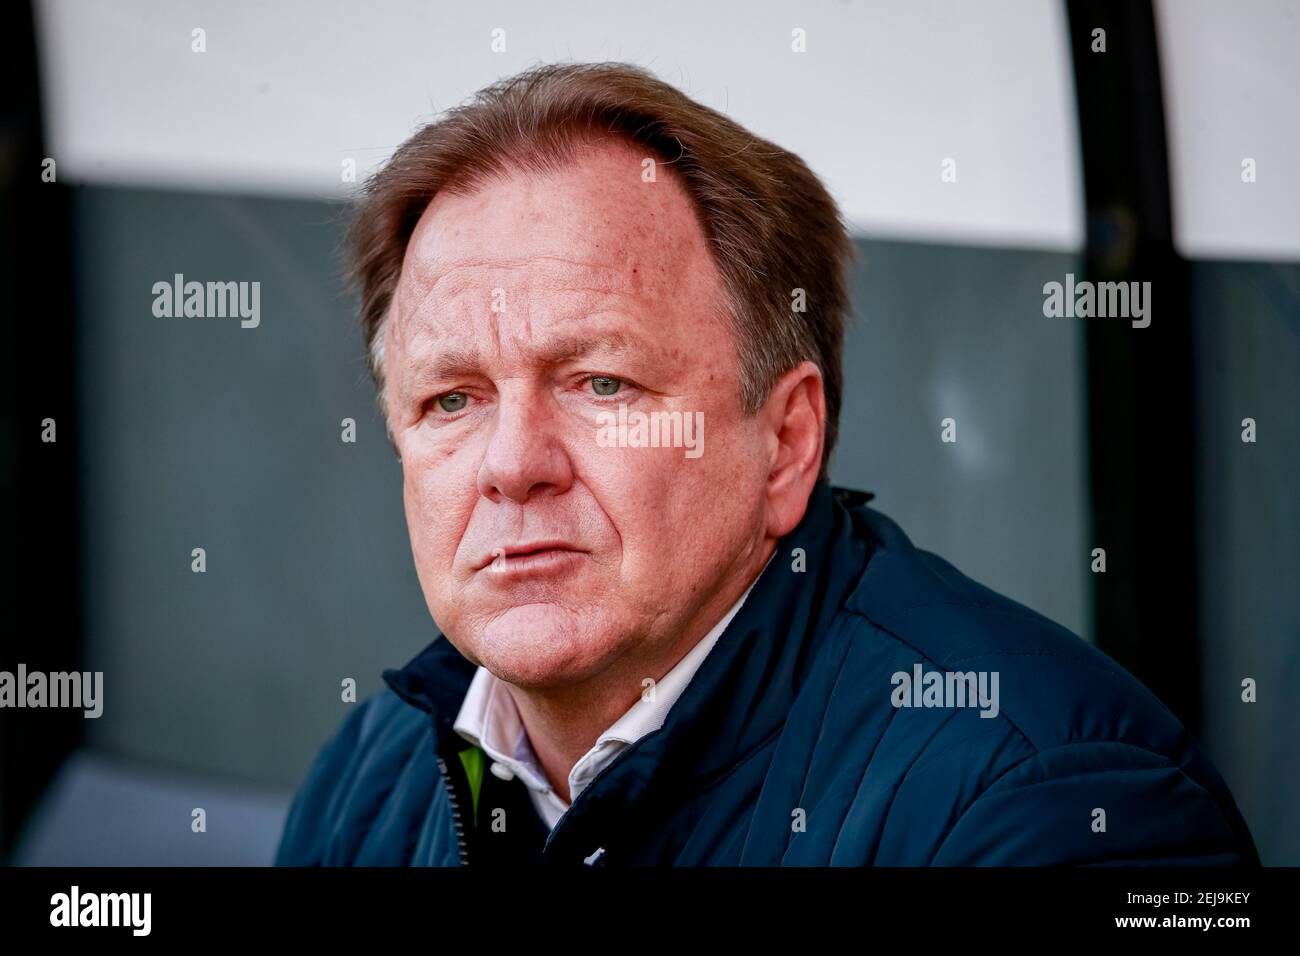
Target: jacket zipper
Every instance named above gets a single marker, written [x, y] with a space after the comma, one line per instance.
[455, 810]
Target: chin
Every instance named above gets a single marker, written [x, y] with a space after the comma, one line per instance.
[538, 645]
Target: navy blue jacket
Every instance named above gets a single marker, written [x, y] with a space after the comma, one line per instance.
[790, 747]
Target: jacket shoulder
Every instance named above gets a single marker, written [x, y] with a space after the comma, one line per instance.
[1071, 733]
[1054, 688]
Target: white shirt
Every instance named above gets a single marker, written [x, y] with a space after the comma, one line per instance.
[489, 719]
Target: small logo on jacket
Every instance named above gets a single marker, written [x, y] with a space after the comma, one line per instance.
[946, 689]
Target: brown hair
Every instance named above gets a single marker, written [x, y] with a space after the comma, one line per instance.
[772, 225]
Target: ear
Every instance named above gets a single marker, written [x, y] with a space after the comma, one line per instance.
[795, 419]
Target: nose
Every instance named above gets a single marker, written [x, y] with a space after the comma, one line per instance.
[525, 457]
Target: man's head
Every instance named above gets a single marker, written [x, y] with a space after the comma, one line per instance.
[578, 246]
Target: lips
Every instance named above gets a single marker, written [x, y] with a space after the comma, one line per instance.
[525, 553]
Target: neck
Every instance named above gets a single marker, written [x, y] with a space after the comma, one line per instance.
[564, 723]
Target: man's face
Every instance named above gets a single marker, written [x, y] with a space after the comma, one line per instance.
[525, 309]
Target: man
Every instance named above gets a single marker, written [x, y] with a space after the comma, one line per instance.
[666, 643]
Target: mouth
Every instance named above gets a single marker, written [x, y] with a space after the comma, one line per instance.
[528, 556]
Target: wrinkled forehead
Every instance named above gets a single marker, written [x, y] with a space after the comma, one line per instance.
[597, 223]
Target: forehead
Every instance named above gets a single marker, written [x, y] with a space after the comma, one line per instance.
[554, 241]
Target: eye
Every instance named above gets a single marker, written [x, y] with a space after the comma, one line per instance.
[604, 385]
[452, 401]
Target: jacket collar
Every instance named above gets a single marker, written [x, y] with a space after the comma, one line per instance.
[735, 703]
[436, 681]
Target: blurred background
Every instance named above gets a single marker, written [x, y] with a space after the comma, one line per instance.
[978, 150]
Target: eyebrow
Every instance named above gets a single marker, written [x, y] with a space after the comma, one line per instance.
[455, 361]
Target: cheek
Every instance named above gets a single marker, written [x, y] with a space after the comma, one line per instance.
[662, 506]
[437, 503]
[418, 523]
[675, 515]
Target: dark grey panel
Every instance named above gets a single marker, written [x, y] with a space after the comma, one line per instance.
[200, 433]
[1247, 326]
[943, 332]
